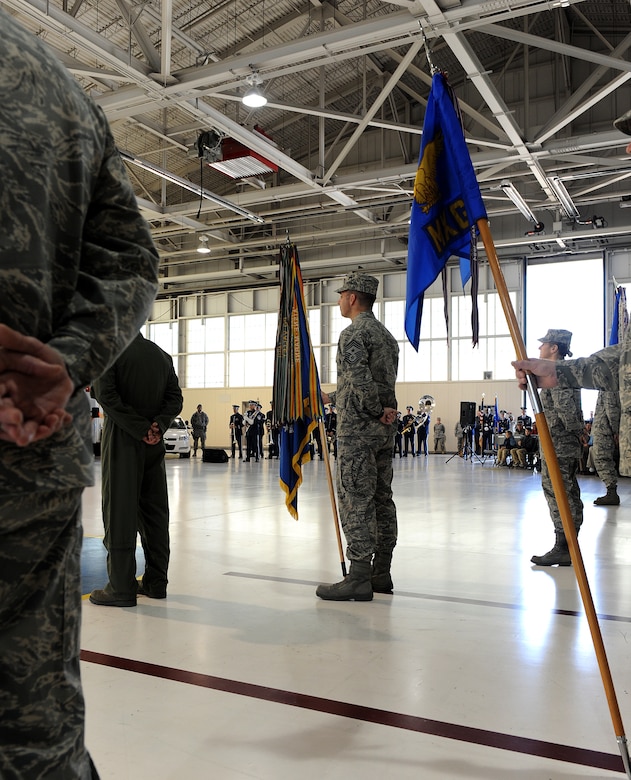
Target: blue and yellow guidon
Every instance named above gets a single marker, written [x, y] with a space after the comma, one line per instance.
[447, 202]
[451, 221]
[426, 187]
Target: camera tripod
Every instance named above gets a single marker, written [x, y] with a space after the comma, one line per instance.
[467, 452]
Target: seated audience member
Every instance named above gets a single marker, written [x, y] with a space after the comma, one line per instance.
[520, 430]
[530, 445]
[506, 448]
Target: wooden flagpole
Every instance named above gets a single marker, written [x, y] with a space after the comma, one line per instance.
[560, 495]
[324, 445]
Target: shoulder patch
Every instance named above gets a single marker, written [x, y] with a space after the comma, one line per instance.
[353, 351]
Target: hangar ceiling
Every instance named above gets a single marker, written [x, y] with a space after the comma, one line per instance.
[539, 82]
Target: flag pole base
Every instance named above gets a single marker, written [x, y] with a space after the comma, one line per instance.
[343, 565]
[624, 752]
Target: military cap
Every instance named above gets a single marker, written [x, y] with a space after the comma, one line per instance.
[410, 407]
[235, 406]
[560, 337]
[359, 282]
[623, 123]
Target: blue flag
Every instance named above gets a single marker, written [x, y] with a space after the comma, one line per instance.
[297, 403]
[496, 418]
[446, 206]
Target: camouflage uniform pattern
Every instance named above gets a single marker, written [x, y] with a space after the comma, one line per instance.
[608, 369]
[367, 363]
[565, 420]
[605, 434]
[78, 270]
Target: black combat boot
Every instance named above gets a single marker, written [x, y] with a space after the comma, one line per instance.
[559, 555]
[354, 587]
[380, 577]
[610, 499]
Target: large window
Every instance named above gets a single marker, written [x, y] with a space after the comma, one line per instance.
[430, 363]
[251, 339]
[206, 346]
[165, 335]
[495, 350]
[569, 295]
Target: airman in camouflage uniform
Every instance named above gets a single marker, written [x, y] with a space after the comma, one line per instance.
[605, 445]
[367, 362]
[78, 271]
[565, 421]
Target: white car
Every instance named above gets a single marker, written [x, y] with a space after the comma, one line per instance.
[177, 438]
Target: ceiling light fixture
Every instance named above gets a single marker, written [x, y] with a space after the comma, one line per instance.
[188, 185]
[564, 198]
[203, 247]
[513, 194]
[254, 98]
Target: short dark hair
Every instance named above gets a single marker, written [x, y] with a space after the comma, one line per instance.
[365, 299]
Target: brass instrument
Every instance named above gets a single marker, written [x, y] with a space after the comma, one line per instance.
[428, 403]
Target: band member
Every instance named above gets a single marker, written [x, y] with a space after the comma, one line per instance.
[274, 432]
[251, 432]
[236, 430]
[408, 430]
[422, 428]
[398, 436]
[260, 429]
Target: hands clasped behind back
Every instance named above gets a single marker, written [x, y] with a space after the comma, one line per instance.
[34, 389]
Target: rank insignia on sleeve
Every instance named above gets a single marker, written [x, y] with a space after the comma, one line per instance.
[352, 352]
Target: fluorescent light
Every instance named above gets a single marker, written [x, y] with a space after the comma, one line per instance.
[513, 194]
[564, 198]
[187, 185]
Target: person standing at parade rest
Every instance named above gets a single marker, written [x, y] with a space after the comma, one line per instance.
[565, 420]
[236, 430]
[78, 275]
[459, 434]
[440, 435]
[609, 369]
[260, 430]
[251, 432]
[140, 395]
[408, 430]
[503, 424]
[525, 418]
[367, 363]
[199, 424]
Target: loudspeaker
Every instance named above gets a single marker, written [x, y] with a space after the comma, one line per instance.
[467, 413]
[210, 455]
